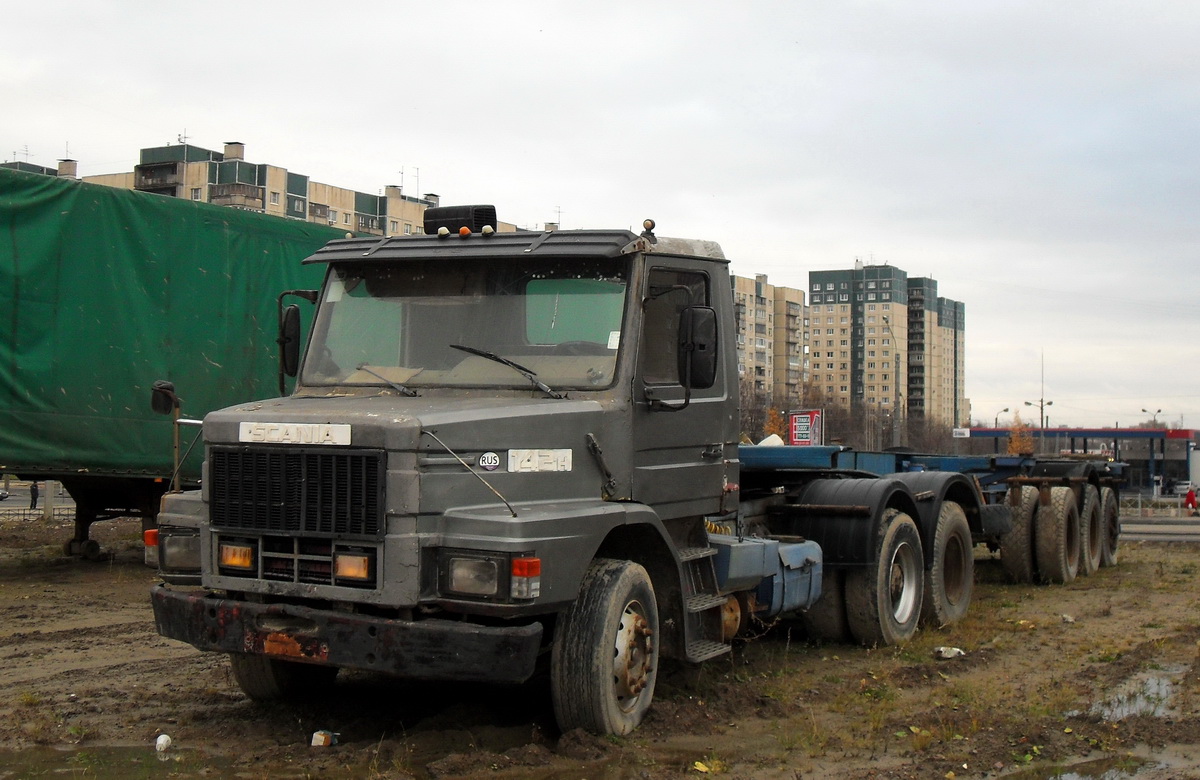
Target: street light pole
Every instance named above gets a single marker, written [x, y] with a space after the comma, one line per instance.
[1153, 415]
[1041, 405]
[996, 422]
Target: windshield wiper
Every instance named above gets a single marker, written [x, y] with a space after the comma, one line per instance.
[399, 387]
[525, 372]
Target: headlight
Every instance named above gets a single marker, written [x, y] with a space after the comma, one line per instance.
[473, 576]
[178, 549]
[179, 552]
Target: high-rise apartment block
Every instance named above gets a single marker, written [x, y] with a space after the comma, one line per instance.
[771, 337]
[869, 337]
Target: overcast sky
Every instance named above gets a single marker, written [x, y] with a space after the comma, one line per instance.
[1040, 160]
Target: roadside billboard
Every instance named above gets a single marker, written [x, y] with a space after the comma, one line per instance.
[805, 428]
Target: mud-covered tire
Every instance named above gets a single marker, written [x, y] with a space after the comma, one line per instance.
[1057, 532]
[950, 579]
[825, 621]
[604, 662]
[1110, 513]
[270, 679]
[883, 599]
[1091, 532]
[1017, 546]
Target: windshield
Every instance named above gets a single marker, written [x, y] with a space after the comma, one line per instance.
[409, 323]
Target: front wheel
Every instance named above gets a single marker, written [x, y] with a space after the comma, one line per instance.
[605, 657]
[883, 599]
[270, 679]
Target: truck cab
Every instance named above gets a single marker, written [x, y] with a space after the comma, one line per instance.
[501, 449]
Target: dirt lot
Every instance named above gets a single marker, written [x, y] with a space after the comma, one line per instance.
[1103, 671]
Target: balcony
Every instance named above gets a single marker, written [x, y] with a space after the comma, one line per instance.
[161, 178]
[238, 195]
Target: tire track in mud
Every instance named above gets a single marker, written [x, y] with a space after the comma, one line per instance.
[92, 643]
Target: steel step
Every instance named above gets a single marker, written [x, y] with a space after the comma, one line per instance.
[702, 601]
[704, 649]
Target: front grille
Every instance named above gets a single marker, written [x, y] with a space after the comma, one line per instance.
[302, 490]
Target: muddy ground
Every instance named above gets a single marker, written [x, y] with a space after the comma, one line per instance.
[1102, 671]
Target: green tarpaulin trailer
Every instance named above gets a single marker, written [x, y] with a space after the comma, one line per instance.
[102, 292]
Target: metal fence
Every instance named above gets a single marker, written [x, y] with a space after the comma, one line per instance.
[60, 514]
[1144, 505]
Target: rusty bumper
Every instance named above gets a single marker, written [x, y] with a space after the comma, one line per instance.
[424, 649]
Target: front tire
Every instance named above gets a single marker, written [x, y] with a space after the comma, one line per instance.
[883, 599]
[950, 579]
[270, 679]
[605, 658]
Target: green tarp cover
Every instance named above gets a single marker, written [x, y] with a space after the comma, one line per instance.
[103, 291]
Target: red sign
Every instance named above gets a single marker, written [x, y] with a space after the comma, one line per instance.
[805, 429]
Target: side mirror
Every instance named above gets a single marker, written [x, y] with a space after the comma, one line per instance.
[162, 397]
[698, 347]
[289, 339]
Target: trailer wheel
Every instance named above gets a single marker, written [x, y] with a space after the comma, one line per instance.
[605, 656]
[1110, 512]
[883, 599]
[1091, 532]
[951, 577]
[825, 621]
[1017, 546]
[271, 679]
[1058, 537]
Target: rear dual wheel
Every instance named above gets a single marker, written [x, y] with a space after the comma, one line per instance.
[1092, 532]
[1017, 546]
[825, 621]
[950, 579]
[883, 600]
[1058, 537]
[1110, 513]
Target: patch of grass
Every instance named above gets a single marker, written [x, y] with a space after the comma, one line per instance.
[28, 699]
[809, 736]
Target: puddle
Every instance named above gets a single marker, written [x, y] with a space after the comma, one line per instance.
[1146, 693]
[1126, 768]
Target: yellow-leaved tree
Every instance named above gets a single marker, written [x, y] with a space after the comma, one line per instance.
[1020, 441]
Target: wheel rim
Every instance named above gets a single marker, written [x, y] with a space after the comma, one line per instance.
[903, 583]
[633, 656]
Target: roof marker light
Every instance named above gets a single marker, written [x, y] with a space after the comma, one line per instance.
[464, 231]
[487, 230]
[443, 231]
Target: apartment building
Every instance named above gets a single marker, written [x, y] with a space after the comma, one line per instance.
[881, 340]
[227, 178]
[771, 338]
[936, 376]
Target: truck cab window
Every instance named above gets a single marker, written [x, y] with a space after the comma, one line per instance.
[384, 323]
[669, 293]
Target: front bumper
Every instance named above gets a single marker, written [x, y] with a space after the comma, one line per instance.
[426, 649]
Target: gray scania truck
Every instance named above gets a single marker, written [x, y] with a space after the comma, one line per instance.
[508, 452]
